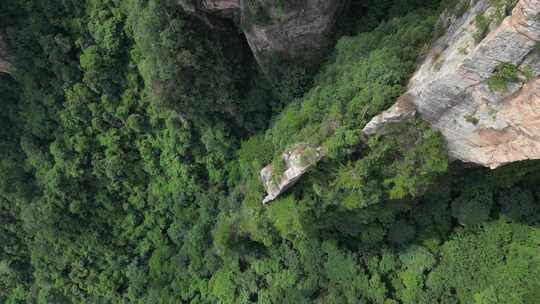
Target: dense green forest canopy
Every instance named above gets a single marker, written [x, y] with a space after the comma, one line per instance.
[131, 141]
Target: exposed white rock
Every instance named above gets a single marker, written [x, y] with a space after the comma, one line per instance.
[401, 111]
[297, 162]
[450, 89]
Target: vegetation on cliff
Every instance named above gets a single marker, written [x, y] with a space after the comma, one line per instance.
[131, 142]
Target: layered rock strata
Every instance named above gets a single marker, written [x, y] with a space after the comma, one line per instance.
[480, 86]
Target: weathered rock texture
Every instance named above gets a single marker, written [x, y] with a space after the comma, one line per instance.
[297, 162]
[450, 90]
[5, 66]
[299, 31]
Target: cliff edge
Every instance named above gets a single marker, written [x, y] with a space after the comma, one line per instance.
[480, 84]
[297, 31]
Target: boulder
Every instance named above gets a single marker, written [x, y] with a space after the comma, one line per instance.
[297, 161]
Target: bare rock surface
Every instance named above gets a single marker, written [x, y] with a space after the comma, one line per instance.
[297, 162]
[451, 89]
[299, 31]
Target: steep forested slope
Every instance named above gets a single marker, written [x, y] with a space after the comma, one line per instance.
[131, 141]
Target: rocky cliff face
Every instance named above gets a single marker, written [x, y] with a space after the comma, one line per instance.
[480, 84]
[298, 31]
[5, 66]
[297, 162]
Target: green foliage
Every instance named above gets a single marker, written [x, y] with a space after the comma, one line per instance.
[481, 277]
[398, 166]
[473, 209]
[340, 267]
[419, 166]
[462, 7]
[401, 232]
[222, 286]
[503, 75]
[205, 76]
[471, 119]
[364, 76]
[130, 149]
[482, 23]
[255, 14]
[375, 12]
[286, 217]
[503, 8]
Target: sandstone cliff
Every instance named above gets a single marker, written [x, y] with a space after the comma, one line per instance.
[296, 162]
[298, 31]
[480, 84]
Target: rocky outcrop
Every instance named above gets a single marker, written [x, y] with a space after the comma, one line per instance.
[480, 85]
[297, 162]
[5, 66]
[298, 31]
[211, 11]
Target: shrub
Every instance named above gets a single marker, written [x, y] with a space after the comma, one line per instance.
[503, 75]
[471, 119]
[482, 27]
[503, 8]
